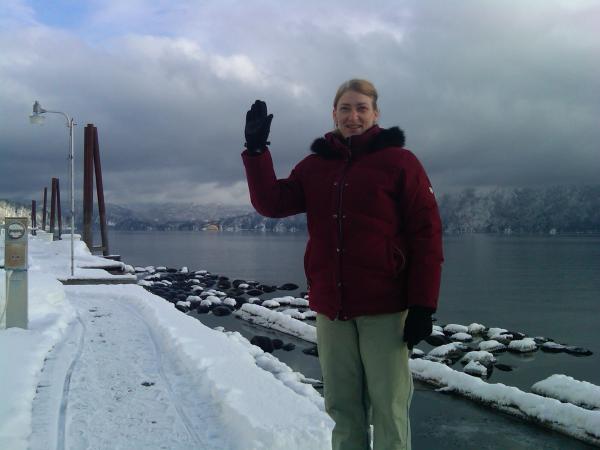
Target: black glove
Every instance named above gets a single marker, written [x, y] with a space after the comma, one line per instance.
[258, 125]
[418, 325]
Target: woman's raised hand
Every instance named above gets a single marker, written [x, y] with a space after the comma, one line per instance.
[258, 126]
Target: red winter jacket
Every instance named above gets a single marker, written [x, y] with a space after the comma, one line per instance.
[374, 229]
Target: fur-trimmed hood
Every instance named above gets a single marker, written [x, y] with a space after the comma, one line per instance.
[334, 146]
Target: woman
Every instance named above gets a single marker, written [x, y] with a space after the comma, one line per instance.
[373, 259]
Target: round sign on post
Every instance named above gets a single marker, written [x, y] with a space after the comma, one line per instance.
[16, 230]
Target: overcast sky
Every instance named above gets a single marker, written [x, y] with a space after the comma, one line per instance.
[489, 93]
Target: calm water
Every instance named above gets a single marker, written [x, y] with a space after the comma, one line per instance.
[543, 286]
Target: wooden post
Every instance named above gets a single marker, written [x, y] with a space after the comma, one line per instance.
[88, 185]
[58, 209]
[100, 193]
[53, 205]
[44, 211]
[33, 218]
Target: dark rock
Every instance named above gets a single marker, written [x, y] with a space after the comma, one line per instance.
[277, 344]
[236, 283]
[552, 347]
[221, 310]
[147, 383]
[239, 301]
[182, 308]
[202, 309]
[224, 285]
[263, 342]
[288, 347]
[288, 287]
[516, 335]
[171, 270]
[266, 288]
[235, 292]
[303, 294]
[254, 292]
[578, 351]
[311, 351]
[437, 340]
[504, 338]
[504, 367]
[194, 302]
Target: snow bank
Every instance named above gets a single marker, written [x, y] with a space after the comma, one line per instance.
[22, 352]
[568, 389]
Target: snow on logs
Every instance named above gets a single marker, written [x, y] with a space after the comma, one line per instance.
[567, 418]
[567, 389]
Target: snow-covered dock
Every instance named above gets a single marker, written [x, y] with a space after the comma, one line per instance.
[118, 367]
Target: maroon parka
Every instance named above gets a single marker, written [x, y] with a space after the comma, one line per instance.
[374, 229]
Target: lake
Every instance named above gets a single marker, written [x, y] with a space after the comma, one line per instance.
[539, 285]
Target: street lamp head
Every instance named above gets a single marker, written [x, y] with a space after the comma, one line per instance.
[37, 117]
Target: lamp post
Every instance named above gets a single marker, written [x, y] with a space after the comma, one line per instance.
[37, 118]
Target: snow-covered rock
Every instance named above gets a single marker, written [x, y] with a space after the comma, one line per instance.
[523, 345]
[451, 350]
[461, 337]
[476, 368]
[453, 328]
[229, 301]
[492, 346]
[271, 303]
[493, 332]
[483, 357]
[475, 329]
[299, 302]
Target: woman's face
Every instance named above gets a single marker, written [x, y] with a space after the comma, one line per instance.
[354, 113]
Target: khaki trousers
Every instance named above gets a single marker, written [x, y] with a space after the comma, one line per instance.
[366, 380]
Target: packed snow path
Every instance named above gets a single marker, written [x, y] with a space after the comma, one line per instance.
[119, 387]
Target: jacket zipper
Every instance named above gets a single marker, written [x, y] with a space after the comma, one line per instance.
[339, 219]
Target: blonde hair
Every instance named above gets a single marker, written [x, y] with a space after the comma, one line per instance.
[361, 86]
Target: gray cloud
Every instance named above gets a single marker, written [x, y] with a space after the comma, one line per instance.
[489, 93]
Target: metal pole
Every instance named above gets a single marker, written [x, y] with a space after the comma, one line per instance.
[72, 158]
[58, 209]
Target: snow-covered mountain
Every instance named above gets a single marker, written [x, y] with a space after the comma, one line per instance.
[554, 209]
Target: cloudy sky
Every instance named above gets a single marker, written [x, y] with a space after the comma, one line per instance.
[489, 93]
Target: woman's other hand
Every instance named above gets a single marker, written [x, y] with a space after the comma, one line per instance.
[418, 325]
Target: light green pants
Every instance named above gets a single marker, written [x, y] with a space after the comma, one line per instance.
[366, 380]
